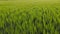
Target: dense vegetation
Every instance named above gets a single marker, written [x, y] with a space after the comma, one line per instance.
[30, 20]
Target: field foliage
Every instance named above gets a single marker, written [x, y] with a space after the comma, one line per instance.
[30, 19]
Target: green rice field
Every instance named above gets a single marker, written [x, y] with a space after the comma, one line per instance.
[29, 17]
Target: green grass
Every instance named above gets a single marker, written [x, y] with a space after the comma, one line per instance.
[33, 18]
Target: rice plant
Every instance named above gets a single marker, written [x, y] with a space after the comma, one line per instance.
[30, 20]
